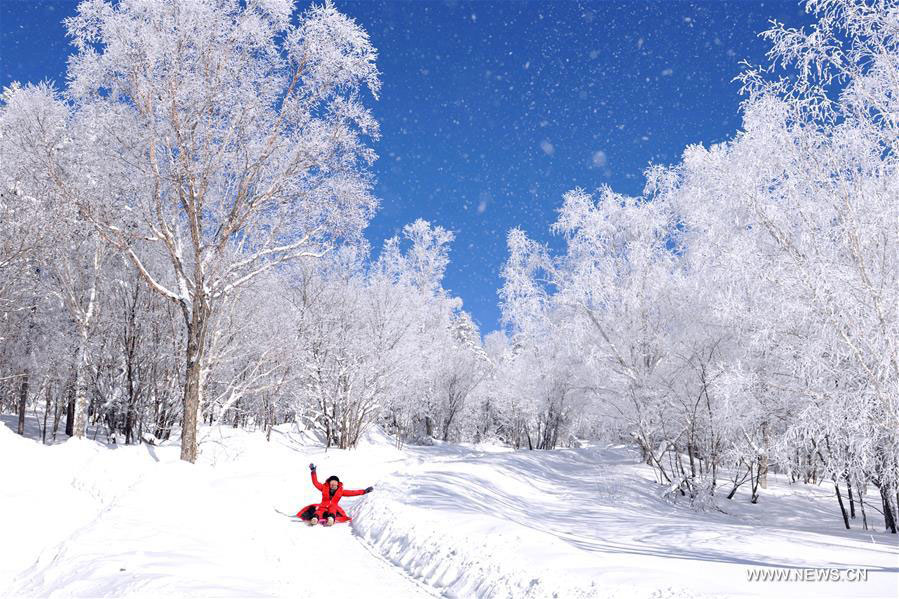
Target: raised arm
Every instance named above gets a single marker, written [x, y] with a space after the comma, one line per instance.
[351, 492]
[315, 482]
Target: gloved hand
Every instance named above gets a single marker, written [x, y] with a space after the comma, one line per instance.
[369, 489]
[312, 467]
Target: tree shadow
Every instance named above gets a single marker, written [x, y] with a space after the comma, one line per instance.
[599, 501]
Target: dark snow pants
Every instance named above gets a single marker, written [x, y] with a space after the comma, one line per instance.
[309, 514]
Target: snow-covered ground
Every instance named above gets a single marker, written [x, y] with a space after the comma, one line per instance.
[591, 523]
[81, 519]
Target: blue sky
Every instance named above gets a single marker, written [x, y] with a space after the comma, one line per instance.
[490, 111]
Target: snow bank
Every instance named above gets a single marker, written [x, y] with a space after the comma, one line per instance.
[466, 558]
[591, 523]
[487, 524]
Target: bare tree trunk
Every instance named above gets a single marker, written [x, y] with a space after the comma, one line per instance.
[754, 481]
[715, 472]
[196, 346]
[763, 459]
[692, 462]
[159, 417]
[56, 417]
[80, 403]
[129, 413]
[70, 410]
[269, 419]
[26, 376]
[861, 504]
[23, 400]
[889, 519]
[842, 507]
[46, 412]
[83, 316]
[140, 425]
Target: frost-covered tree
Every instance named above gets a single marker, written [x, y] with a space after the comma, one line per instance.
[237, 136]
[345, 367]
[743, 313]
[460, 366]
[612, 290]
[49, 173]
[828, 205]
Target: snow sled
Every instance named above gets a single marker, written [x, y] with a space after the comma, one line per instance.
[312, 507]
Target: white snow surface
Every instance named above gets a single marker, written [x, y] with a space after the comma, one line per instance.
[81, 519]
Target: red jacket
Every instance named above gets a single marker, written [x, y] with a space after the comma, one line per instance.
[329, 503]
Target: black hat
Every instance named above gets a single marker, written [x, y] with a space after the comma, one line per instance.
[330, 478]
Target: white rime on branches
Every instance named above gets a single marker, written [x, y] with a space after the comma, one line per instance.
[743, 313]
[236, 140]
[181, 243]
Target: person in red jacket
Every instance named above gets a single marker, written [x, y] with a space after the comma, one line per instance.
[328, 509]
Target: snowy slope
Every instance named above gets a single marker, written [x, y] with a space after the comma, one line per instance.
[83, 520]
[591, 523]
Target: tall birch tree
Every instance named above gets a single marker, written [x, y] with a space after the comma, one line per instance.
[237, 132]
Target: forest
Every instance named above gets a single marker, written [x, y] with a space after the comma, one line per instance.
[181, 246]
